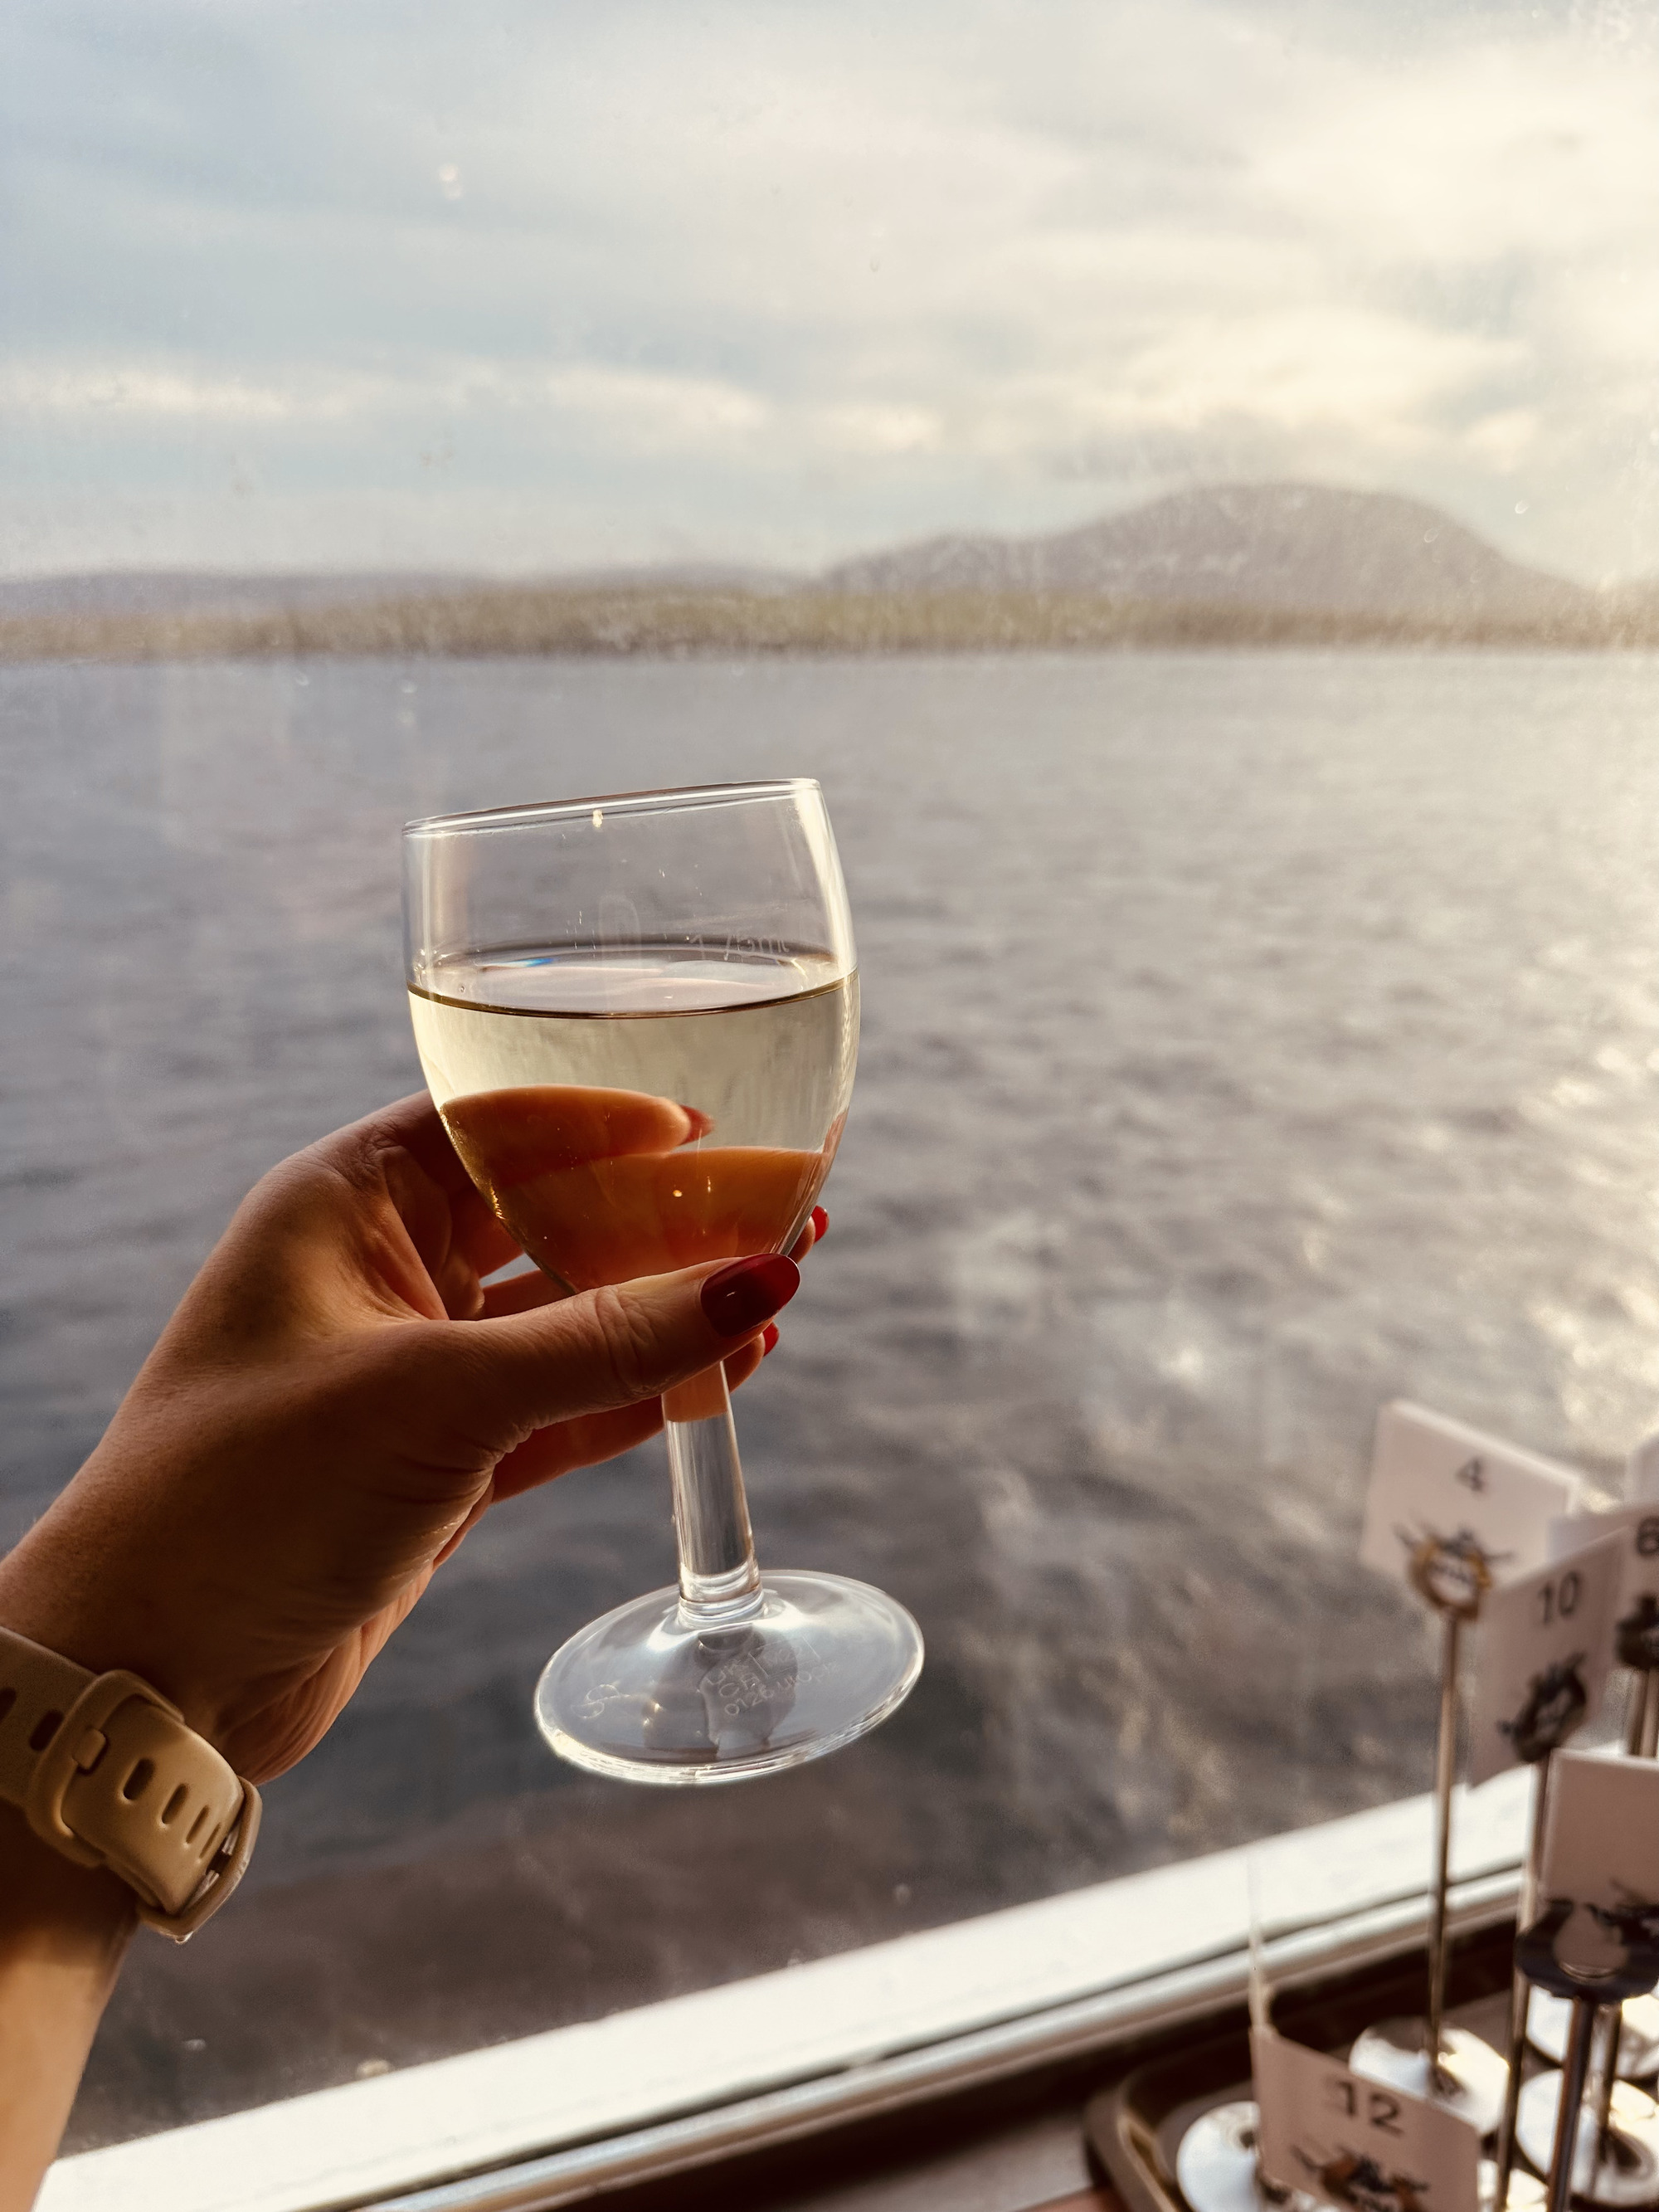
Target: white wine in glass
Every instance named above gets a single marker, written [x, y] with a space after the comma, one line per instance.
[639, 1018]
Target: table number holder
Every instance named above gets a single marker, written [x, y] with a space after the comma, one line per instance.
[1452, 1576]
[1595, 1947]
[1593, 1990]
[1217, 2163]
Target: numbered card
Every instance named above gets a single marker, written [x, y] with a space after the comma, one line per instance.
[1470, 1510]
[1546, 1648]
[1601, 1831]
[1642, 1472]
[1636, 1608]
[1354, 2142]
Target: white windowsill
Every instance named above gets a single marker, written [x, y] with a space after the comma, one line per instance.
[370, 2140]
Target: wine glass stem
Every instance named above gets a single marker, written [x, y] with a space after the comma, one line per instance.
[719, 1579]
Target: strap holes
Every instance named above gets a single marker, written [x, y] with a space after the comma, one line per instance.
[44, 1729]
[138, 1781]
[196, 1825]
[210, 1842]
[170, 1810]
[7, 1699]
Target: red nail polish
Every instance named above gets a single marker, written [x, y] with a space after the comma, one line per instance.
[702, 1123]
[769, 1337]
[741, 1297]
[820, 1223]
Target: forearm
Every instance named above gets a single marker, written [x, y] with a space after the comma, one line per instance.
[63, 1933]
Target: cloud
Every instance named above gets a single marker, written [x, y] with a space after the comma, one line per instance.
[653, 411]
[784, 282]
[88, 392]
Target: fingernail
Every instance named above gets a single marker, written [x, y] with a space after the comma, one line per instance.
[820, 1223]
[741, 1297]
[769, 1337]
[702, 1123]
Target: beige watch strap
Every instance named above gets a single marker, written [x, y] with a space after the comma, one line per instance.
[108, 1772]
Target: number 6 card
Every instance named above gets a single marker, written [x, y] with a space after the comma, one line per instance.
[1636, 1608]
[1354, 2142]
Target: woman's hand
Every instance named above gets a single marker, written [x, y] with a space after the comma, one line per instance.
[334, 1404]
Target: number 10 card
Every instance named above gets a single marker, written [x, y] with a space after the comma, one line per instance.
[1546, 1648]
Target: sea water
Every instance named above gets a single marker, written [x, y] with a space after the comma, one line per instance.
[1247, 1039]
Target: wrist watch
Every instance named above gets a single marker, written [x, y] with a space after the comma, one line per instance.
[108, 1772]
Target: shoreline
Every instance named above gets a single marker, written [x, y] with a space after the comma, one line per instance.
[510, 622]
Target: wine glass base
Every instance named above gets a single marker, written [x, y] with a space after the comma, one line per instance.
[1628, 2175]
[646, 1694]
[1216, 2167]
[1469, 2080]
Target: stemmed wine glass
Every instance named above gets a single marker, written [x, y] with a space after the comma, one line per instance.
[639, 1017]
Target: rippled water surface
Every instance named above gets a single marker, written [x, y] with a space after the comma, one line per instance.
[1247, 1039]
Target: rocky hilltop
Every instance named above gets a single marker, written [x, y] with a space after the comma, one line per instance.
[1291, 546]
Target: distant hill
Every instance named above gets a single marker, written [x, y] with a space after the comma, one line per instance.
[1300, 546]
[1232, 565]
[209, 591]
[171, 591]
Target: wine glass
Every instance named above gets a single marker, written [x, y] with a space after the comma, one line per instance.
[639, 1017]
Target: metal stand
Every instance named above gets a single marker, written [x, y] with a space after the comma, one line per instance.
[1636, 2035]
[1641, 1697]
[1574, 2076]
[1445, 1777]
[1550, 2018]
[1217, 2169]
[1449, 2066]
[1637, 1647]
[1526, 2191]
[1621, 2166]
[1618, 2169]
[1218, 2161]
[1520, 1987]
[1615, 2161]
[1610, 2082]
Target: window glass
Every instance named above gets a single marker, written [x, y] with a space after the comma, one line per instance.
[1255, 898]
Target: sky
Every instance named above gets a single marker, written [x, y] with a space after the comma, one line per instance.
[518, 286]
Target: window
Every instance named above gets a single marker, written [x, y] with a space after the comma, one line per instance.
[410, 409]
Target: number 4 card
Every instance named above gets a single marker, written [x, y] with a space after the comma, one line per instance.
[1434, 1481]
[1545, 1646]
[1354, 2142]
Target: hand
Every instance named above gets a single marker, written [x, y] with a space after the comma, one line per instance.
[611, 1169]
[334, 1403]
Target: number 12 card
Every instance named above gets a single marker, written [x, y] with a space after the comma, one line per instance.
[1354, 2142]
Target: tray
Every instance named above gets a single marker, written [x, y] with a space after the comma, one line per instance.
[1134, 2124]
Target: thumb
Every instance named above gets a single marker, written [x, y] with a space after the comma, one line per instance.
[503, 1378]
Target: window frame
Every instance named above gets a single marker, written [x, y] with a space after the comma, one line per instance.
[553, 2118]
